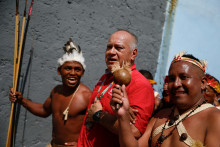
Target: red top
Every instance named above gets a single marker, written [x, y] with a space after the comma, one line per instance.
[141, 97]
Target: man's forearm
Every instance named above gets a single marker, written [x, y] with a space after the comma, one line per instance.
[126, 137]
[35, 108]
[110, 122]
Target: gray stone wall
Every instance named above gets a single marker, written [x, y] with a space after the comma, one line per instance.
[89, 23]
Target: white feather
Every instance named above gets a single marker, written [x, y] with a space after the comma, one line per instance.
[180, 54]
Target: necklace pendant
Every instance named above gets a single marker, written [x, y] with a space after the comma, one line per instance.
[176, 117]
[171, 122]
[65, 113]
[161, 139]
[183, 136]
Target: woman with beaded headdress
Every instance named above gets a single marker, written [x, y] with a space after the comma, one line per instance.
[190, 122]
[67, 102]
[212, 92]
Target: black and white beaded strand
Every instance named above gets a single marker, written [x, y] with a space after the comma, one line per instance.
[162, 137]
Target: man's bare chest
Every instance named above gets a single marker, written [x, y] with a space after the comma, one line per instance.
[61, 104]
[182, 132]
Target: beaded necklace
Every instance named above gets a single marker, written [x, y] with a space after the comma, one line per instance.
[171, 122]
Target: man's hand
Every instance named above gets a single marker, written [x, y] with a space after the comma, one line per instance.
[132, 113]
[15, 97]
[93, 109]
[119, 96]
[116, 97]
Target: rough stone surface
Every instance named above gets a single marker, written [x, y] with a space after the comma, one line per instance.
[89, 23]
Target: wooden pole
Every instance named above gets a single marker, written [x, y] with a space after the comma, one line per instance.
[20, 48]
[10, 127]
[17, 59]
[17, 62]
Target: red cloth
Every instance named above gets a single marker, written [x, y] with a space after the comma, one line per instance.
[141, 97]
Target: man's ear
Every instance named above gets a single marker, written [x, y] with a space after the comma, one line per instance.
[58, 70]
[83, 72]
[134, 54]
[204, 83]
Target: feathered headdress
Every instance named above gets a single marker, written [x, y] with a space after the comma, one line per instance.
[202, 64]
[212, 82]
[72, 53]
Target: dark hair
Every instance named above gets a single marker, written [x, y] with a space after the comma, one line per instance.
[146, 74]
[191, 57]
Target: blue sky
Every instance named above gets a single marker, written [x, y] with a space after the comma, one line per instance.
[196, 30]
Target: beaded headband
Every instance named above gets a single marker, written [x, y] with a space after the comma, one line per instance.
[212, 82]
[72, 53]
[179, 57]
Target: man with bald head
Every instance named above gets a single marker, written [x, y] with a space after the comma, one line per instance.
[100, 128]
[190, 122]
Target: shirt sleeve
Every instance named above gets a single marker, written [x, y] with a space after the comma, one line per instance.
[141, 98]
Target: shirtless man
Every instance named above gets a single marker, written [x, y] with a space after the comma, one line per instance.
[67, 102]
[190, 122]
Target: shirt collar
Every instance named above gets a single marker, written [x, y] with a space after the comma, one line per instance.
[133, 67]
